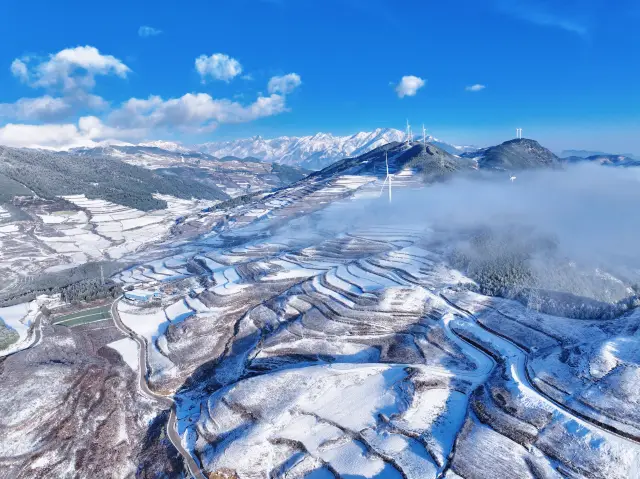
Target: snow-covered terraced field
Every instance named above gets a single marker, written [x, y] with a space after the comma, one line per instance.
[365, 355]
[60, 235]
[125, 230]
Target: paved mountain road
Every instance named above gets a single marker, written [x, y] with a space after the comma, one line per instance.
[165, 401]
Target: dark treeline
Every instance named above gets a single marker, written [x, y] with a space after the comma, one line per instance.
[50, 174]
[233, 202]
[10, 188]
[54, 283]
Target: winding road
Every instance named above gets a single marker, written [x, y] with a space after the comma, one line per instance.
[164, 401]
[516, 360]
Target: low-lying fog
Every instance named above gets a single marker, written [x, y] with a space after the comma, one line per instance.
[574, 230]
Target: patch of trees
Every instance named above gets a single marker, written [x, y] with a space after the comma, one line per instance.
[10, 188]
[499, 276]
[499, 259]
[90, 290]
[54, 283]
[8, 335]
[17, 214]
[517, 264]
[287, 174]
[233, 202]
[51, 174]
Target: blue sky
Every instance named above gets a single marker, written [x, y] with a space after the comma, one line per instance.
[77, 72]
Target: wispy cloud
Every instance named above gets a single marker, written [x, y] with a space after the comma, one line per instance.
[571, 16]
[476, 87]
[146, 31]
[284, 84]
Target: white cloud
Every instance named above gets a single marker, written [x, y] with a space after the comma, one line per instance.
[49, 108]
[43, 136]
[19, 70]
[146, 31]
[409, 86]
[193, 112]
[93, 128]
[87, 133]
[42, 108]
[136, 118]
[72, 73]
[69, 69]
[93, 102]
[476, 87]
[218, 66]
[53, 136]
[284, 84]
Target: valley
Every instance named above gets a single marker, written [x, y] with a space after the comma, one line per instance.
[317, 329]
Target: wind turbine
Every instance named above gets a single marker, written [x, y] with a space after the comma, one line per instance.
[388, 177]
[409, 135]
[424, 136]
[512, 177]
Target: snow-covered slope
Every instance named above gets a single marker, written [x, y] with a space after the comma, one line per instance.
[312, 152]
[166, 145]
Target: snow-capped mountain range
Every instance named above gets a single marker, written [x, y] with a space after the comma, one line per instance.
[313, 152]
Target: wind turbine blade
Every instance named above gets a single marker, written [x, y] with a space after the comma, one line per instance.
[383, 184]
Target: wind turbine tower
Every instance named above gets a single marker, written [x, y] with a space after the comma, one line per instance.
[424, 136]
[388, 178]
[409, 135]
[519, 133]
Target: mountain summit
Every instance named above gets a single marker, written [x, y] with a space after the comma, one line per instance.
[519, 154]
[428, 162]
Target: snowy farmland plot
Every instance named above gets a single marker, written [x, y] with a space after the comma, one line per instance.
[73, 231]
